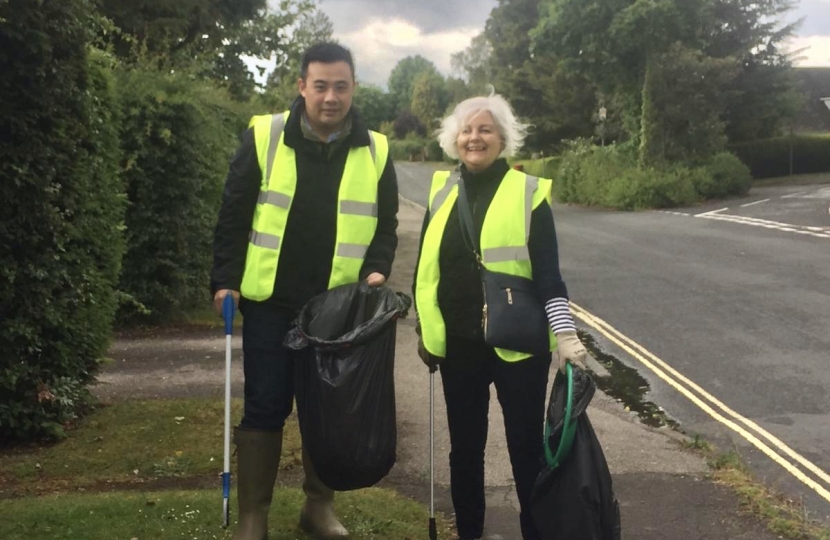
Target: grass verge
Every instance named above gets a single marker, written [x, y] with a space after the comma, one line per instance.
[133, 444]
[782, 516]
[127, 472]
[375, 514]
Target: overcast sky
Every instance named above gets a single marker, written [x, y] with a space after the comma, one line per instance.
[382, 32]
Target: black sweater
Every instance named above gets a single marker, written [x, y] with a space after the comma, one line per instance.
[459, 291]
[310, 233]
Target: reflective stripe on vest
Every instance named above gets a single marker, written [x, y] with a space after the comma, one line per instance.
[503, 244]
[356, 209]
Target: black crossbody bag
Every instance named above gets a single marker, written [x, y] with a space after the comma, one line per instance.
[513, 317]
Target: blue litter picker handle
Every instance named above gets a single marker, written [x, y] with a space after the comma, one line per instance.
[228, 309]
[568, 428]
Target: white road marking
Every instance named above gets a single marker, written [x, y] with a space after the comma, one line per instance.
[704, 214]
[708, 403]
[765, 223]
[754, 203]
[792, 195]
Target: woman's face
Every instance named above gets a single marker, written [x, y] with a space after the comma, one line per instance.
[479, 142]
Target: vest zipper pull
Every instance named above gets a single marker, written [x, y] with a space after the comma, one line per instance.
[509, 296]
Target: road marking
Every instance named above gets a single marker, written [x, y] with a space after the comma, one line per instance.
[791, 195]
[676, 380]
[711, 212]
[765, 223]
[754, 203]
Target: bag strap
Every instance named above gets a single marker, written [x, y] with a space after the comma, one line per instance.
[568, 428]
[468, 230]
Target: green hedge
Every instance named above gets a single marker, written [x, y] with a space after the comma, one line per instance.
[60, 236]
[610, 177]
[543, 167]
[177, 137]
[767, 158]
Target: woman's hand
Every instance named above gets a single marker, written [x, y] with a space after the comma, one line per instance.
[570, 349]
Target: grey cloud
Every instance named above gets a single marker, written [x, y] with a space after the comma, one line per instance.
[429, 15]
[815, 15]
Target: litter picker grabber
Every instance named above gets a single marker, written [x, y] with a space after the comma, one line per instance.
[433, 531]
[228, 309]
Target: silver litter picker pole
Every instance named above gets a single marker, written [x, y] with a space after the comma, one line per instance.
[228, 309]
[433, 531]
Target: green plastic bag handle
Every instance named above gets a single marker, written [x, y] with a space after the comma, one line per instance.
[568, 431]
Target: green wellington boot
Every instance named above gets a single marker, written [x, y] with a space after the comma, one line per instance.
[258, 458]
[317, 517]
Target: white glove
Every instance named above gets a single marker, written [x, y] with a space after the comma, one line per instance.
[570, 349]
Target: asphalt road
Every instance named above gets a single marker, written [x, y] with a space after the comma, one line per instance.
[735, 297]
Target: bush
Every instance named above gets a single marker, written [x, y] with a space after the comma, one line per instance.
[722, 175]
[767, 158]
[609, 177]
[434, 151]
[409, 149]
[178, 136]
[543, 167]
[60, 235]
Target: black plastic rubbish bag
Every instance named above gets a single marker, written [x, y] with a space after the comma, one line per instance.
[344, 382]
[573, 496]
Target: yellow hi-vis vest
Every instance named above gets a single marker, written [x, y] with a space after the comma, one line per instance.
[356, 212]
[503, 245]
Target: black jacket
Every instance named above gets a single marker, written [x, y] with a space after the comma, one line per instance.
[459, 291]
[310, 233]
[575, 501]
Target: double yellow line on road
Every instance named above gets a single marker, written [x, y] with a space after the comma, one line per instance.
[775, 450]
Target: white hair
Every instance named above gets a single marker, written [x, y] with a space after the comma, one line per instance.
[512, 130]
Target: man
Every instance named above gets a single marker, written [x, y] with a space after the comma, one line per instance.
[310, 203]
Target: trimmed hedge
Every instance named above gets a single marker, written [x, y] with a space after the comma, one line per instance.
[60, 235]
[177, 137]
[768, 158]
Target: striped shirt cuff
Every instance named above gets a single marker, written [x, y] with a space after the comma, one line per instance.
[559, 315]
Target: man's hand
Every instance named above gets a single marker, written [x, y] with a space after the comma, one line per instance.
[219, 298]
[429, 360]
[375, 279]
[570, 349]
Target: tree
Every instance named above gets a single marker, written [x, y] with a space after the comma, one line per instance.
[762, 98]
[164, 28]
[427, 98]
[374, 104]
[558, 103]
[614, 42]
[507, 31]
[683, 105]
[402, 78]
[407, 123]
[214, 38]
[457, 90]
[281, 88]
[473, 64]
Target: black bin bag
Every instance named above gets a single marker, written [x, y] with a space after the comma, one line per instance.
[573, 496]
[344, 382]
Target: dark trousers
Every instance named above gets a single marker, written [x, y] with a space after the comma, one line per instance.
[466, 373]
[268, 365]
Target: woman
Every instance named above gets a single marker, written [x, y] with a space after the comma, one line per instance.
[481, 132]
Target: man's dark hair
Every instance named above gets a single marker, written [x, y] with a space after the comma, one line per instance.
[327, 53]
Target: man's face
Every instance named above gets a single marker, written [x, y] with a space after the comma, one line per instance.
[328, 90]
